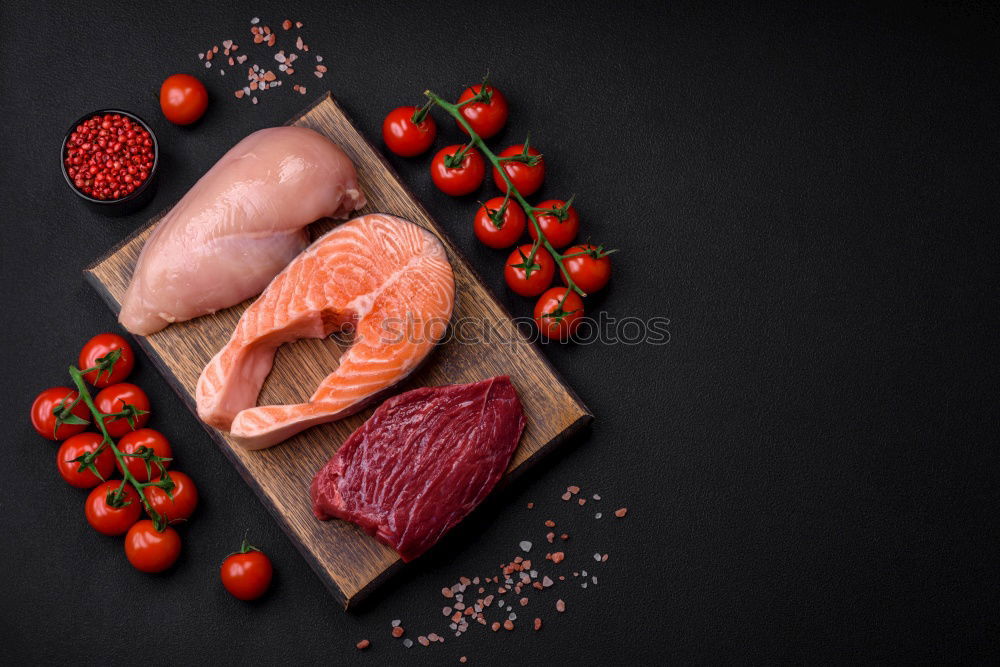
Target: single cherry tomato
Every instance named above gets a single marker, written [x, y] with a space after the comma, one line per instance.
[527, 177]
[151, 439]
[247, 573]
[511, 226]
[403, 136]
[116, 398]
[462, 179]
[183, 99]
[44, 413]
[555, 321]
[149, 549]
[487, 116]
[559, 228]
[112, 520]
[590, 269]
[542, 272]
[79, 445]
[113, 367]
[183, 502]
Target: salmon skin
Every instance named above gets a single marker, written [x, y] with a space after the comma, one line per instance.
[383, 277]
[422, 462]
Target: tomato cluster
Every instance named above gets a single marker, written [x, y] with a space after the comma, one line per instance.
[141, 455]
[500, 222]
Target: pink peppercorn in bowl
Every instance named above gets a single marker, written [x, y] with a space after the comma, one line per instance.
[109, 159]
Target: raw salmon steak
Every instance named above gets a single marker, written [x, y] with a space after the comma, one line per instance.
[240, 224]
[422, 462]
[384, 278]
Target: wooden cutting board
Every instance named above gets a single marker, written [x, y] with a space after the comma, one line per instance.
[348, 561]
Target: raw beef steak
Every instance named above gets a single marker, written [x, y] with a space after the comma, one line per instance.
[422, 462]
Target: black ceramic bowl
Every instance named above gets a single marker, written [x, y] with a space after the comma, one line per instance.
[135, 199]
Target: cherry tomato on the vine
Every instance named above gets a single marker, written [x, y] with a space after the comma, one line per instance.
[511, 227]
[79, 445]
[183, 99]
[247, 573]
[183, 503]
[590, 269]
[151, 439]
[112, 520]
[43, 416]
[555, 321]
[151, 550]
[102, 346]
[403, 136]
[559, 232]
[543, 270]
[114, 399]
[462, 179]
[527, 178]
[487, 117]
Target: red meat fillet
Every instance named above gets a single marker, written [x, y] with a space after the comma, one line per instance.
[422, 462]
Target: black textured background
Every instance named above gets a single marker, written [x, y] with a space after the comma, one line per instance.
[809, 193]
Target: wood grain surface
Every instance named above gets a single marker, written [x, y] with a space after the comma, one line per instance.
[350, 562]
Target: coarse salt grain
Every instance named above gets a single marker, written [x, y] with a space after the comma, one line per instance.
[407, 642]
[525, 545]
[598, 515]
[560, 606]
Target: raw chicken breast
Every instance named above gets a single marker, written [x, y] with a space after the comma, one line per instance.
[239, 226]
[383, 277]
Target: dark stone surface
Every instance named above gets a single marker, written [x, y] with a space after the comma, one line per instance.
[809, 193]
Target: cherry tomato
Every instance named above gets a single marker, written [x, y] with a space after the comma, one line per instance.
[556, 322]
[151, 439]
[590, 271]
[114, 399]
[460, 180]
[112, 520]
[526, 178]
[486, 117]
[43, 416]
[183, 503]
[559, 232]
[151, 550]
[183, 99]
[80, 445]
[403, 136]
[247, 574]
[101, 346]
[511, 223]
[541, 274]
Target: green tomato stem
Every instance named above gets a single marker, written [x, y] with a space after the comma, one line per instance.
[99, 418]
[478, 142]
